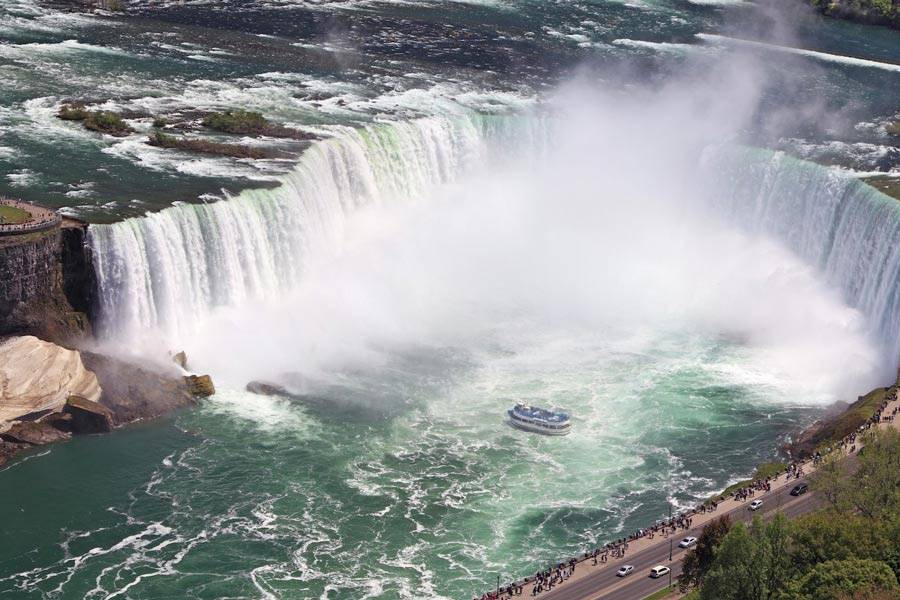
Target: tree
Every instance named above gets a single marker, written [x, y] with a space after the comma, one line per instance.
[831, 535]
[732, 574]
[775, 545]
[836, 579]
[700, 558]
[751, 564]
[874, 489]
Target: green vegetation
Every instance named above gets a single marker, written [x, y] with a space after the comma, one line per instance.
[12, 215]
[103, 121]
[160, 122]
[848, 551]
[237, 121]
[163, 140]
[73, 112]
[833, 430]
[244, 122]
[886, 185]
[663, 593]
[697, 562]
[882, 12]
[763, 471]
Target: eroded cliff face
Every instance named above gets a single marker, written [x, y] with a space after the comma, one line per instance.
[46, 284]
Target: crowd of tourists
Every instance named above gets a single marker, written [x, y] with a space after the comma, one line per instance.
[38, 217]
[543, 581]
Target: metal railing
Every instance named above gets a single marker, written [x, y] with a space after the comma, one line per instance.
[40, 218]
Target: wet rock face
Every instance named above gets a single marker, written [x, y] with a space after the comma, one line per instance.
[79, 279]
[132, 392]
[34, 433]
[88, 416]
[46, 284]
[200, 386]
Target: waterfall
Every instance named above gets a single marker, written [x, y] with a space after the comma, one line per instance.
[848, 230]
[163, 271]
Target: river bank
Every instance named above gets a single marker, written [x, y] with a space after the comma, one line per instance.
[51, 386]
[838, 433]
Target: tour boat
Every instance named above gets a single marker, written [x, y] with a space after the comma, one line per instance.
[539, 420]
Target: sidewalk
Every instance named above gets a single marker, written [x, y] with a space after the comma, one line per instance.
[583, 565]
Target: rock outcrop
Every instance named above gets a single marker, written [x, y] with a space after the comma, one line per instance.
[49, 393]
[180, 359]
[266, 389]
[200, 386]
[872, 12]
[133, 392]
[37, 377]
[33, 433]
[87, 416]
[46, 283]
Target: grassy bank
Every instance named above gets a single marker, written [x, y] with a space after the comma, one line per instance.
[763, 471]
[830, 431]
[12, 215]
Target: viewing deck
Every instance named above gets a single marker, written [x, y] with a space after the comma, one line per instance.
[17, 217]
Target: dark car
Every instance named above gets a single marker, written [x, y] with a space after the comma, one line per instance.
[799, 489]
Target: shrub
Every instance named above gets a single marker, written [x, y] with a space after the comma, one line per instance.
[834, 579]
[72, 112]
[238, 122]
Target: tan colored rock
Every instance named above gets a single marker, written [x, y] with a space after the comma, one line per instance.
[200, 386]
[38, 376]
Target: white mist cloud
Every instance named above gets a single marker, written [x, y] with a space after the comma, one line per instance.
[604, 235]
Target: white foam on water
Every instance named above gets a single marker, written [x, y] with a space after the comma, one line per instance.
[825, 56]
[270, 414]
[656, 46]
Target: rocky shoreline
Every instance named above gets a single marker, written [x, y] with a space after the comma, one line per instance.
[51, 386]
[844, 420]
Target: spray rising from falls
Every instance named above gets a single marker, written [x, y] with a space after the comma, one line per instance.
[839, 225]
[164, 271]
[167, 271]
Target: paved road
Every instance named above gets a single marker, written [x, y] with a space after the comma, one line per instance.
[603, 583]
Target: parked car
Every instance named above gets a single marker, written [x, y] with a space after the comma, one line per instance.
[658, 571]
[799, 489]
[755, 504]
[624, 571]
[687, 542]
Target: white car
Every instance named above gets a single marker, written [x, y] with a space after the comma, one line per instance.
[687, 542]
[755, 505]
[658, 571]
[624, 571]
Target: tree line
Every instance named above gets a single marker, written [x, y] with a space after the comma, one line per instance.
[849, 550]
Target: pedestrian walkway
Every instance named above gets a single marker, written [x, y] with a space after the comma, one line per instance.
[40, 218]
[573, 569]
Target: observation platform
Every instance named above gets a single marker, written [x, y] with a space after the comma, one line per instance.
[17, 217]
